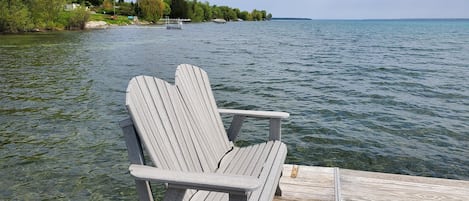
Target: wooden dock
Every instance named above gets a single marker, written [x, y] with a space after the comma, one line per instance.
[334, 184]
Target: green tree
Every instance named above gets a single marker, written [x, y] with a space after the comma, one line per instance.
[96, 2]
[245, 15]
[207, 11]
[46, 13]
[78, 18]
[263, 14]
[167, 9]
[179, 9]
[237, 12]
[189, 9]
[125, 8]
[152, 10]
[256, 15]
[26, 15]
[198, 14]
[14, 16]
[216, 12]
[108, 6]
[227, 13]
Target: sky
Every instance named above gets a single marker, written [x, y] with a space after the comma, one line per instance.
[354, 9]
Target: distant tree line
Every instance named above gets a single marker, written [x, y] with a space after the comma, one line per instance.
[203, 11]
[153, 10]
[27, 15]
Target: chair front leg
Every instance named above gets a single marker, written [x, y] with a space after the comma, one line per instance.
[238, 197]
[174, 194]
[275, 132]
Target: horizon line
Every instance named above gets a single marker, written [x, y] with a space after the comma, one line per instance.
[404, 18]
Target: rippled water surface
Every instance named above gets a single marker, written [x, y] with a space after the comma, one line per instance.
[388, 96]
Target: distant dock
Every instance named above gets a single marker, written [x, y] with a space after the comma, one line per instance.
[334, 184]
[175, 23]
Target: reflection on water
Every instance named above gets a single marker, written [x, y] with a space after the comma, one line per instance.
[383, 96]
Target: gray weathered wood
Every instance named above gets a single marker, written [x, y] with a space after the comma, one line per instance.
[273, 175]
[181, 129]
[174, 194]
[275, 129]
[135, 154]
[318, 183]
[235, 127]
[134, 148]
[257, 114]
[307, 183]
[239, 116]
[236, 197]
[197, 180]
[194, 86]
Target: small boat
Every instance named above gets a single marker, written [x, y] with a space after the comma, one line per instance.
[219, 21]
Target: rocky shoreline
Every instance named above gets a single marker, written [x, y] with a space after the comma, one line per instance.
[96, 25]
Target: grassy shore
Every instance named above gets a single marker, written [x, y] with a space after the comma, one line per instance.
[118, 20]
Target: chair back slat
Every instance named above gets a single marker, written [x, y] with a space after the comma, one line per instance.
[179, 124]
[194, 85]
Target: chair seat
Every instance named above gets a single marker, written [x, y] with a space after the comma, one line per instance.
[263, 161]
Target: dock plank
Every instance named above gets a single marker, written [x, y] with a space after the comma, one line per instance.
[317, 184]
[310, 183]
[361, 185]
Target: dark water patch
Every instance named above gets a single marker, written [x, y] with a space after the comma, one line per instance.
[226, 88]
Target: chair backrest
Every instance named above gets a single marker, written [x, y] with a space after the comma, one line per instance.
[179, 124]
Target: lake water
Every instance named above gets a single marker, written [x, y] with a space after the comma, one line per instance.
[387, 96]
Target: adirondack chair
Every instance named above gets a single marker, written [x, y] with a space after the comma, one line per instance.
[182, 132]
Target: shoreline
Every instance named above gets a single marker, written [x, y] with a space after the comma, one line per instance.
[96, 25]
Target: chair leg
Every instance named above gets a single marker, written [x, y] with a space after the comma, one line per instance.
[278, 191]
[237, 197]
[144, 190]
[174, 194]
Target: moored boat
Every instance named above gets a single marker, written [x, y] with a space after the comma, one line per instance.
[219, 21]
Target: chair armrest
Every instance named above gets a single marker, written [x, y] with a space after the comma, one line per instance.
[240, 115]
[253, 113]
[197, 180]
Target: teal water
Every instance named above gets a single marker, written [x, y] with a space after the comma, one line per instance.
[387, 96]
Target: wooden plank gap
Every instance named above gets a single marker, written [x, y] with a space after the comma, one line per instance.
[337, 184]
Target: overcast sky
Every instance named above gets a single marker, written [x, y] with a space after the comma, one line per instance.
[354, 9]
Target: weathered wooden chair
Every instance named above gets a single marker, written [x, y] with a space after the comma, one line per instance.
[182, 131]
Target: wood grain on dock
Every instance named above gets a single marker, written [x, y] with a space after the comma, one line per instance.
[327, 183]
